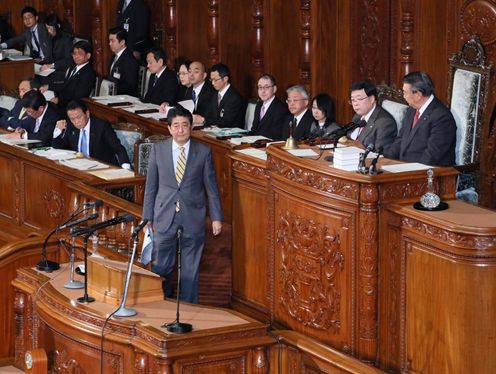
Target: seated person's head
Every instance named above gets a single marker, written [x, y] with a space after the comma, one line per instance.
[34, 102]
[52, 24]
[219, 76]
[78, 114]
[297, 99]
[29, 16]
[117, 39]
[363, 96]
[323, 108]
[417, 88]
[81, 52]
[27, 84]
[266, 87]
[156, 59]
[197, 73]
[182, 68]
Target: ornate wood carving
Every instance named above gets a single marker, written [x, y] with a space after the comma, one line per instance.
[305, 33]
[54, 203]
[171, 31]
[370, 39]
[407, 24]
[253, 170]
[97, 38]
[65, 364]
[213, 32]
[312, 260]
[260, 365]
[479, 17]
[140, 362]
[310, 178]
[19, 310]
[396, 191]
[257, 60]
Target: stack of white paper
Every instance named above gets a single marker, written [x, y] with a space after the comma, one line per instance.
[247, 139]
[347, 158]
[83, 164]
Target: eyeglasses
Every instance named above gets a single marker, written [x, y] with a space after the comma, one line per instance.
[261, 88]
[291, 101]
[357, 99]
[213, 80]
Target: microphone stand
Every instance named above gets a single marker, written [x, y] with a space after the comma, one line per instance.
[123, 311]
[71, 283]
[45, 264]
[86, 298]
[176, 326]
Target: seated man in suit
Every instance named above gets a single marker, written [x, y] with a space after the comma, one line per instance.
[35, 36]
[381, 128]
[300, 117]
[91, 136]
[180, 182]
[163, 84]
[18, 117]
[79, 79]
[227, 107]
[428, 132]
[45, 117]
[270, 111]
[123, 67]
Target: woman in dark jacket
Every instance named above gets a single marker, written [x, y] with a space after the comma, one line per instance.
[323, 113]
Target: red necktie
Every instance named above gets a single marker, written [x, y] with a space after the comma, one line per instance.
[415, 119]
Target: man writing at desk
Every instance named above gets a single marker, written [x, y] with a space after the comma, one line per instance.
[91, 136]
[180, 171]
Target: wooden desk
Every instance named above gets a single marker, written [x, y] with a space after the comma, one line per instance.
[306, 239]
[222, 341]
[11, 72]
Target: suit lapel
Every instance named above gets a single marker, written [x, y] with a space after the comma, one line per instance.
[369, 127]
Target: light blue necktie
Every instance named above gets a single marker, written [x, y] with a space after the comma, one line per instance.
[84, 143]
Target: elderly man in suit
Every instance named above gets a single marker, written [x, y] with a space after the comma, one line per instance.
[163, 83]
[45, 117]
[300, 117]
[35, 36]
[79, 79]
[380, 129]
[123, 67]
[428, 132]
[17, 116]
[270, 111]
[91, 136]
[180, 176]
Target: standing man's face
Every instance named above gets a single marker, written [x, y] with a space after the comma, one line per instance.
[180, 129]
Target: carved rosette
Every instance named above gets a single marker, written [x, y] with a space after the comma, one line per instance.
[479, 17]
[245, 167]
[370, 39]
[311, 264]
[54, 203]
[313, 179]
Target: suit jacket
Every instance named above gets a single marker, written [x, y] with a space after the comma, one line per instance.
[45, 131]
[137, 16]
[162, 191]
[11, 118]
[381, 128]
[61, 57]
[230, 112]
[303, 127]
[432, 141]
[273, 123]
[329, 127]
[165, 88]
[104, 144]
[76, 87]
[26, 37]
[204, 100]
[125, 74]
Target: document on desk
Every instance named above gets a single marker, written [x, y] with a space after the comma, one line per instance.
[303, 152]
[188, 104]
[109, 99]
[44, 73]
[111, 174]
[254, 152]
[55, 154]
[247, 139]
[4, 139]
[83, 164]
[142, 108]
[400, 168]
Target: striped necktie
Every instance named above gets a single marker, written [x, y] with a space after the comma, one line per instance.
[180, 168]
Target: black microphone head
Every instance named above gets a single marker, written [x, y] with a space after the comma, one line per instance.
[98, 203]
[127, 217]
[370, 147]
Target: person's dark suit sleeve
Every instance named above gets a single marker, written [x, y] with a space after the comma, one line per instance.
[441, 137]
[45, 132]
[62, 53]
[210, 183]
[128, 83]
[151, 186]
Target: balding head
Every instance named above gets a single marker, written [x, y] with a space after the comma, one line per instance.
[197, 74]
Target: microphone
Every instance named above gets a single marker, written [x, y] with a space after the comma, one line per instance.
[96, 204]
[345, 130]
[138, 228]
[114, 221]
[78, 221]
[373, 165]
[363, 159]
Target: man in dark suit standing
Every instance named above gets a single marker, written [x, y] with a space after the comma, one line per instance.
[428, 132]
[18, 117]
[91, 136]
[300, 117]
[381, 128]
[35, 36]
[180, 177]
[133, 16]
[270, 113]
[227, 108]
[163, 84]
[123, 67]
[79, 79]
[45, 117]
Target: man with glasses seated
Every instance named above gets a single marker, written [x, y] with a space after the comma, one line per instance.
[301, 118]
[380, 129]
[270, 111]
[227, 107]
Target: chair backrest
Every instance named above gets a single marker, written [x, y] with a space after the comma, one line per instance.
[143, 75]
[96, 89]
[391, 99]
[7, 102]
[129, 135]
[468, 93]
[107, 88]
[250, 113]
[144, 148]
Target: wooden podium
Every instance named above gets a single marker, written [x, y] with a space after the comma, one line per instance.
[106, 280]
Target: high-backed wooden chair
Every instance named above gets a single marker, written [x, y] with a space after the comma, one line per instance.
[468, 92]
[391, 99]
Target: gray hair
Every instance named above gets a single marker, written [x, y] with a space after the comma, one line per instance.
[300, 89]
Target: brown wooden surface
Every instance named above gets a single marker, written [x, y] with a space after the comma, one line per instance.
[438, 298]
[11, 73]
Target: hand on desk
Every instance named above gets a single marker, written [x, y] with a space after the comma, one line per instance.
[16, 134]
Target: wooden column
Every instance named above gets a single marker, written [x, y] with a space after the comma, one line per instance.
[407, 24]
[97, 36]
[257, 59]
[213, 32]
[305, 34]
[171, 32]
